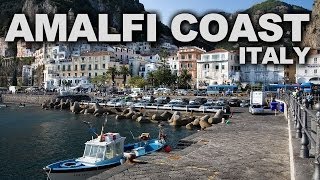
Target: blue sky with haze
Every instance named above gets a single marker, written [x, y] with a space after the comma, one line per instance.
[168, 8]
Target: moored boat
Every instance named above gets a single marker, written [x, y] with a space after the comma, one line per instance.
[103, 152]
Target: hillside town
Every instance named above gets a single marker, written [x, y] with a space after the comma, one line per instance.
[82, 65]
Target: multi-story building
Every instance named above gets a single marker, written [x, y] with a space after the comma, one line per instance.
[139, 47]
[173, 62]
[146, 68]
[24, 49]
[218, 66]
[123, 53]
[188, 58]
[26, 75]
[3, 47]
[265, 74]
[152, 58]
[79, 68]
[310, 71]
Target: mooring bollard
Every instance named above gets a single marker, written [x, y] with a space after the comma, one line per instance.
[316, 174]
[304, 150]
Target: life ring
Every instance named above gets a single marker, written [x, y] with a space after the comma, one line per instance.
[71, 164]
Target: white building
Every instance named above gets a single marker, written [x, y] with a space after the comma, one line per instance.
[173, 63]
[218, 67]
[310, 71]
[139, 47]
[145, 69]
[123, 53]
[265, 74]
[151, 58]
[27, 75]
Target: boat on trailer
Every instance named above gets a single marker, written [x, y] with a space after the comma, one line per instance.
[107, 150]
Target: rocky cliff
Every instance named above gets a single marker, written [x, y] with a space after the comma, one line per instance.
[312, 33]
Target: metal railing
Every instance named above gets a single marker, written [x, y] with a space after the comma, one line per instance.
[307, 127]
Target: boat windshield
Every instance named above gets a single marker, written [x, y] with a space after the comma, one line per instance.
[94, 151]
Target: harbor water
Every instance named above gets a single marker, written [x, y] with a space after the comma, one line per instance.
[31, 138]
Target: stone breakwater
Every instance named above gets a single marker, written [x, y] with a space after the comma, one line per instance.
[26, 98]
[188, 119]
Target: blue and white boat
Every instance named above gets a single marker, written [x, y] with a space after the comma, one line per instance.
[101, 153]
[146, 145]
[104, 152]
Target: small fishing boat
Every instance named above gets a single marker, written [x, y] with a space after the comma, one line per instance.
[101, 153]
[104, 152]
[146, 145]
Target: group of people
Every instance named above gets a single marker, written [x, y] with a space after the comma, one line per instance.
[309, 98]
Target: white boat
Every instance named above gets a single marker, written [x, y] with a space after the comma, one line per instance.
[101, 153]
[104, 152]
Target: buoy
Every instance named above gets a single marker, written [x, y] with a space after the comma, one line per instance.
[167, 149]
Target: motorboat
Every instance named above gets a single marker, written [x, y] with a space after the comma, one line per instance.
[105, 151]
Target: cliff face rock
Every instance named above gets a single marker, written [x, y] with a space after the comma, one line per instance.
[31, 7]
[312, 33]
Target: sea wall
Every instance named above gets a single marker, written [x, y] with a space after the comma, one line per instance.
[26, 98]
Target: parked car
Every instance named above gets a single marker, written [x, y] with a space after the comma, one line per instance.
[234, 102]
[245, 103]
[256, 109]
[200, 93]
[182, 92]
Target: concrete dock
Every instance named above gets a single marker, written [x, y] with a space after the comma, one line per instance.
[250, 147]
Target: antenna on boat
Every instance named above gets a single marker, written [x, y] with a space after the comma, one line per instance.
[102, 128]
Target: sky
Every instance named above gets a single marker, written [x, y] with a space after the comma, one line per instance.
[166, 9]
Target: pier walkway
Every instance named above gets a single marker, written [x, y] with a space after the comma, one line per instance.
[250, 147]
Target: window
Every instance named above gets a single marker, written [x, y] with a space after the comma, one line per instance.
[315, 60]
[315, 71]
[82, 74]
[103, 66]
[306, 71]
[95, 74]
[76, 67]
[58, 67]
[206, 66]
[89, 74]
[96, 66]
[69, 74]
[89, 67]
[223, 57]
[217, 67]
[189, 56]
[222, 67]
[75, 74]
[183, 57]
[83, 66]
[69, 67]
[215, 57]
[63, 68]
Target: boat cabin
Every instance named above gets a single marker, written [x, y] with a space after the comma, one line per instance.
[105, 147]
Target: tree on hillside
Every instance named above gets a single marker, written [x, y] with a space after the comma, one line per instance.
[124, 71]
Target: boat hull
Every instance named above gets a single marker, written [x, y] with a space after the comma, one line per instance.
[77, 174]
[74, 175]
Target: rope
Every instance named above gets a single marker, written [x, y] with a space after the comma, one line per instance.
[48, 174]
